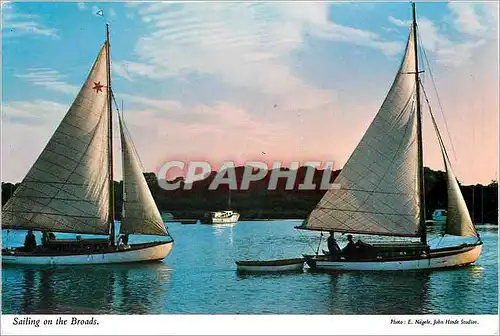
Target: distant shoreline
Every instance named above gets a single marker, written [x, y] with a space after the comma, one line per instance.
[181, 220]
[258, 203]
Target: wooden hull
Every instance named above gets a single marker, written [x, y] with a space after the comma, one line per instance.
[436, 259]
[136, 253]
[285, 265]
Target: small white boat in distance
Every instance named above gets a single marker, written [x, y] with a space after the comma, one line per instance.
[221, 217]
[283, 265]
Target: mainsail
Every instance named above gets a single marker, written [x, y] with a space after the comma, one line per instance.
[67, 188]
[379, 183]
[140, 214]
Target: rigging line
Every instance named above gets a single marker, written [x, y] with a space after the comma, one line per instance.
[443, 149]
[440, 138]
[127, 131]
[319, 244]
[437, 95]
[307, 240]
[473, 161]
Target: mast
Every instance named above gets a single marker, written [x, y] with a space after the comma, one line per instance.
[111, 218]
[421, 190]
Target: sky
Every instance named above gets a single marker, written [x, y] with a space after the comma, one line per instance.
[252, 81]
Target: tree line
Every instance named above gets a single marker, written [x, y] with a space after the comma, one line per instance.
[258, 202]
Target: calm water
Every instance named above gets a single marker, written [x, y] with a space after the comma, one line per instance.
[199, 277]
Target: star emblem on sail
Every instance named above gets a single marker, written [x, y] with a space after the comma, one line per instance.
[68, 187]
[98, 86]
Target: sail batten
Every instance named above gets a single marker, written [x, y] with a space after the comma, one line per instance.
[66, 189]
[378, 191]
[140, 214]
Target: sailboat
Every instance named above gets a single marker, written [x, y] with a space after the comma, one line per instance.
[382, 190]
[222, 217]
[69, 188]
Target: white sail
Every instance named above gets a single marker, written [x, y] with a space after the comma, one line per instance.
[458, 221]
[379, 183]
[67, 188]
[140, 214]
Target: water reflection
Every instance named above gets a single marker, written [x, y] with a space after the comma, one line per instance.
[378, 293]
[224, 229]
[96, 289]
[206, 282]
[451, 288]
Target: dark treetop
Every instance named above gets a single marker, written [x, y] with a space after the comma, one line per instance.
[260, 203]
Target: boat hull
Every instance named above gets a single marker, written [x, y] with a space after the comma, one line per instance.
[437, 259]
[287, 265]
[136, 253]
[233, 219]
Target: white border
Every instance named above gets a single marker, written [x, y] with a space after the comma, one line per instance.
[255, 325]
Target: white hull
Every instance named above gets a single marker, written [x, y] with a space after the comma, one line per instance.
[462, 257]
[229, 220]
[269, 267]
[148, 253]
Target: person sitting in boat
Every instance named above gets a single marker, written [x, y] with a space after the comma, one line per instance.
[47, 237]
[333, 247]
[362, 244]
[362, 247]
[30, 241]
[350, 249]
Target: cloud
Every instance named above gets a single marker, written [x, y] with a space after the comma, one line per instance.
[246, 45]
[81, 5]
[48, 78]
[167, 105]
[399, 22]
[127, 69]
[252, 58]
[36, 120]
[475, 21]
[32, 112]
[53, 80]
[444, 49]
[467, 18]
[158, 134]
[204, 132]
[15, 23]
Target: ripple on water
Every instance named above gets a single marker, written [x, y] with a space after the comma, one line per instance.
[199, 277]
